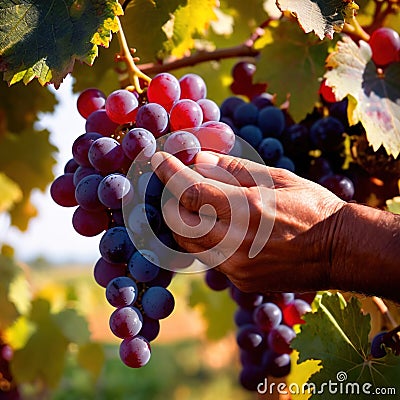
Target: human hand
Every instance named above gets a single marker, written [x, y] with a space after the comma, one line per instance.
[265, 228]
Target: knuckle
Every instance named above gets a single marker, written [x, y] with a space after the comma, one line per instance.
[236, 167]
[192, 196]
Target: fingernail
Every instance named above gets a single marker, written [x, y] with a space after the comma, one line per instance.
[206, 161]
[157, 159]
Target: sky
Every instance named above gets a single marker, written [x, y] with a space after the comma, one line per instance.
[50, 234]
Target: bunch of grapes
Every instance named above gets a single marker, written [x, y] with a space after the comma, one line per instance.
[265, 329]
[110, 182]
[8, 388]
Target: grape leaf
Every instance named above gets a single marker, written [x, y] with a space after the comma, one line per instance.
[305, 55]
[73, 326]
[322, 17]
[337, 335]
[393, 205]
[143, 26]
[374, 99]
[43, 40]
[91, 357]
[188, 21]
[10, 192]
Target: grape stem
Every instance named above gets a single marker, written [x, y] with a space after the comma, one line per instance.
[382, 307]
[245, 49]
[354, 28]
[125, 55]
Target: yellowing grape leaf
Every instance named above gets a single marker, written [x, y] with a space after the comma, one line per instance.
[189, 21]
[91, 357]
[44, 39]
[292, 64]
[324, 17]
[10, 192]
[337, 335]
[374, 99]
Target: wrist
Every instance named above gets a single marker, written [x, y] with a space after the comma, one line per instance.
[365, 250]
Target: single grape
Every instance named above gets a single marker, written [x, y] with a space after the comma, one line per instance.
[326, 92]
[377, 345]
[90, 100]
[270, 150]
[105, 271]
[245, 114]
[271, 121]
[276, 365]
[250, 337]
[184, 114]
[122, 106]
[243, 316]
[216, 280]
[106, 155]
[98, 121]
[150, 328]
[263, 100]
[385, 46]
[183, 145]
[193, 87]
[251, 376]
[267, 316]
[229, 106]
[114, 189]
[294, 311]
[81, 146]
[215, 136]
[279, 339]
[126, 322]
[164, 89]
[71, 166]
[144, 265]
[327, 134]
[116, 246]
[245, 300]
[86, 192]
[143, 220]
[139, 144]
[210, 110]
[154, 118]
[251, 134]
[121, 291]
[158, 302]
[82, 172]
[62, 190]
[89, 223]
[163, 278]
[243, 71]
[135, 352]
[340, 185]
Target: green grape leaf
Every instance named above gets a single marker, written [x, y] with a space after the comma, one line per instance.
[374, 99]
[73, 326]
[29, 169]
[10, 192]
[186, 26]
[322, 17]
[393, 205]
[305, 55]
[337, 335]
[217, 309]
[91, 357]
[143, 26]
[43, 40]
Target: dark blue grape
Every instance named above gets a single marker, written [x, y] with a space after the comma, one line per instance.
[377, 348]
[327, 134]
[143, 265]
[285, 163]
[251, 134]
[249, 337]
[229, 105]
[271, 121]
[245, 114]
[116, 246]
[276, 365]
[216, 280]
[270, 150]
[158, 302]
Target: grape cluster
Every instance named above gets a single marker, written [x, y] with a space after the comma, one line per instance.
[264, 329]
[8, 388]
[110, 182]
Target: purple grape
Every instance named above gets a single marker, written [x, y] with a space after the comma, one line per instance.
[70, 166]
[105, 271]
[243, 316]
[210, 110]
[81, 146]
[126, 322]
[89, 223]
[249, 337]
[143, 265]
[340, 185]
[144, 219]
[62, 190]
[252, 376]
[216, 280]
[121, 106]
[139, 144]
[158, 302]
[276, 365]
[267, 316]
[154, 118]
[229, 106]
[82, 172]
[183, 145]
[135, 352]
[121, 291]
[377, 345]
[106, 155]
[192, 87]
[86, 193]
[327, 134]
[245, 300]
[245, 114]
[116, 246]
[279, 339]
[98, 121]
[270, 150]
[150, 328]
[115, 189]
[184, 114]
[163, 278]
[150, 188]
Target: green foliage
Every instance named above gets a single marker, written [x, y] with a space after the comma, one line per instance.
[217, 309]
[337, 335]
[373, 97]
[305, 55]
[41, 40]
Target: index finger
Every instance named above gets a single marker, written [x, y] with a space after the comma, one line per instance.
[192, 189]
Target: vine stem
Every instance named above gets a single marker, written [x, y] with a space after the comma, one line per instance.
[382, 307]
[125, 55]
[354, 28]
